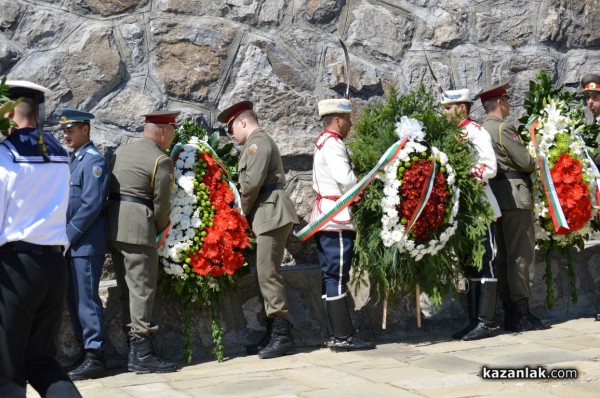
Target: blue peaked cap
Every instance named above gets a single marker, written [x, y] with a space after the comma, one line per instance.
[68, 117]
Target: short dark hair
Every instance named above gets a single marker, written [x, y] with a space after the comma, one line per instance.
[490, 105]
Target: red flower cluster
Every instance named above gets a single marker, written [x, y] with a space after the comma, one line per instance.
[573, 192]
[221, 252]
[433, 215]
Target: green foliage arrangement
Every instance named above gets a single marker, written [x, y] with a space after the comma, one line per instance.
[395, 271]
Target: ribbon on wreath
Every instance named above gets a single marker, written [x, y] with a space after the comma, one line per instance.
[350, 196]
[558, 217]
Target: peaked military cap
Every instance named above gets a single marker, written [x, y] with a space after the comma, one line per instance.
[227, 115]
[69, 117]
[590, 83]
[161, 117]
[332, 106]
[493, 92]
[456, 96]
[23, 88]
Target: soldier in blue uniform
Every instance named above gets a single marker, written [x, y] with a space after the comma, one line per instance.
[34, 186]
[90, 176]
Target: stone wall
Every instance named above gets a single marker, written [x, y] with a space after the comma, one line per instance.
[123, 58]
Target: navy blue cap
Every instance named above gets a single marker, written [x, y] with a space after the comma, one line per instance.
[68, 117]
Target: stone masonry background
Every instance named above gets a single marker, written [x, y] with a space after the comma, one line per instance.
[122, 58]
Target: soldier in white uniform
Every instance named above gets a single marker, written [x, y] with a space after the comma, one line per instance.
[34, 192]
[481, 292]
[332, 178]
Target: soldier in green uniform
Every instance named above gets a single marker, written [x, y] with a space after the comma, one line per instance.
[515, 234]
[140, 187]
[590, 84]
[271, 215]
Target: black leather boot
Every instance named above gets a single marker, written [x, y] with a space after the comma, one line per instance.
[330, 340]
[486, 324]
[281, 342]
[472, 306]
[142, 358]
[524, 319]
[92, 367]
[343, 330]
[253, 349]
[598, 317]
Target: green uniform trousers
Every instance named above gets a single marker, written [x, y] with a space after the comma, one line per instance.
[270, 247]
[136, 268]
[515, 242]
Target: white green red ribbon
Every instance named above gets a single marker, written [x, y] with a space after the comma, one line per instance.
[558, 217]
[348, 198]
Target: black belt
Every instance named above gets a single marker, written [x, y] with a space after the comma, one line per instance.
[270, 188]
[39, 250]
[511, 175]
[133, 199]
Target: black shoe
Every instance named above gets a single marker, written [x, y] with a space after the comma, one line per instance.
[351, 343]
[142, 358]
[329, 342]
[598, 317]
[462, 332]
[281, 342]
[253, 349]
[525, 320]
[481, 331]
[92, 367]
[76, 363]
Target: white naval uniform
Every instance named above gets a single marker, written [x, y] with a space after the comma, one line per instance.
[25, 215]
[332, 178]
[485, 160]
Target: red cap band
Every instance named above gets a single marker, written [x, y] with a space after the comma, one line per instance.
[160, 119]
[493, 94]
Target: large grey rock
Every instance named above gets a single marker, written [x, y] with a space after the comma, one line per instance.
[574, 23]
[9, 55]
[108, 7]
[509, 23]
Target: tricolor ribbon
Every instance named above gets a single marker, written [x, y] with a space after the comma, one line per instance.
[162, 236]
[349, 197]
[558, 217]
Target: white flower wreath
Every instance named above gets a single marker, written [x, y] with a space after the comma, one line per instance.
[393, 230]
[185, 214]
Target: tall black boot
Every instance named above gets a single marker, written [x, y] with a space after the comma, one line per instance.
[142, 358]
[524, 319]
[472, 306]
[281, 342]
[93, 366]
[487, 313]
[343, 330]
[330, 338]
[253, 349]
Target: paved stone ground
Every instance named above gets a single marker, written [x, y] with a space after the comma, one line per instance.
[430, 366]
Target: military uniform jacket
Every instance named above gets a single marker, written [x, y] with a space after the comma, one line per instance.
[261, 177]
[332, 178]
[142, 170]
[512, 156]
[90, 175]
